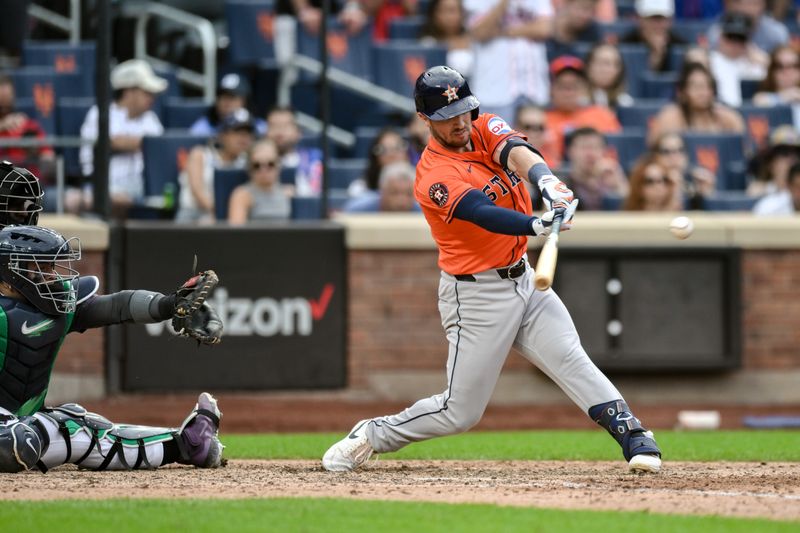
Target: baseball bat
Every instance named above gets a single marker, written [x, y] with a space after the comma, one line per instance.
[546, 265]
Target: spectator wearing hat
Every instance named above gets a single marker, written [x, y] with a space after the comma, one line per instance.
[772, 165]
[571, 102]
[227, 151]
[232, 94]
[735, 58]
[767, 33]
[654, 29]
[784, 202]
[130, 118]
[510, 55]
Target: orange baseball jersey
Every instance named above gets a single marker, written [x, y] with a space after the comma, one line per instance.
[444, 177]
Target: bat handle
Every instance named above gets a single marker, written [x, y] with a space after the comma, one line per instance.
[546, 265]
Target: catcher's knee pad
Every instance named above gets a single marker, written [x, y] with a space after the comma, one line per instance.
[73, 418]
[626, 429]
[21, 445]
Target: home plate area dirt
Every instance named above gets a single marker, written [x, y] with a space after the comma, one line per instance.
[768, 490]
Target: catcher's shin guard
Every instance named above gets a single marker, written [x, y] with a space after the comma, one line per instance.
[626, 429]
[107, 440]
[21, 444]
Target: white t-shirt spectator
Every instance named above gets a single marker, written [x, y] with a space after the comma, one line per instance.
[506, 69]
[729, 74]
[125, 169]
[777, 203]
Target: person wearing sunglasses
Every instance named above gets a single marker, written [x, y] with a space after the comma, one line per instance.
[696, 182]
[229, 151]
[653, 188]
[782, 84]
[530, 120]
[263, 197]
[388, 147]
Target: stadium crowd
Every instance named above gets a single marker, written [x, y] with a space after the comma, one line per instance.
[648, 105]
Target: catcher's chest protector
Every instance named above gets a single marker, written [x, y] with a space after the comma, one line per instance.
[29, 343]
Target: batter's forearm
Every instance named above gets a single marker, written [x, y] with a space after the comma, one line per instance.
[138, 306]
[475, 207]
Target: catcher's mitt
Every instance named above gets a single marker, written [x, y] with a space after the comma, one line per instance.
[192, 316]
[204, 325]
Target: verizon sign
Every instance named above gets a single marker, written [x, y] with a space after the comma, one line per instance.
[281, 299]
[265, 316]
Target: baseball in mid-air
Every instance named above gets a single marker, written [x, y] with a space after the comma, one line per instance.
[681, 227]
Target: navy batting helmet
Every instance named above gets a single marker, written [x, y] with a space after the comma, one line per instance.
[442, 93]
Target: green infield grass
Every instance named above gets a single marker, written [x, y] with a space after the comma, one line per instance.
[347, 516]
[597, 445]
[351, 516]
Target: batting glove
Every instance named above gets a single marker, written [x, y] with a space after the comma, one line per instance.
[554, 192]
[543, 224]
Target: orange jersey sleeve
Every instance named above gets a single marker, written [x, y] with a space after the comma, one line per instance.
[444, 177]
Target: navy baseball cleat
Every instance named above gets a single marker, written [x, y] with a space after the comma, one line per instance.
[638, 445]
[350, 452]
[199, 435]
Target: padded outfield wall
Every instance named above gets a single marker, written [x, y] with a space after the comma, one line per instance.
[737, 277]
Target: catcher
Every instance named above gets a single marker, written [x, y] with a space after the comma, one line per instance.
[42, 299]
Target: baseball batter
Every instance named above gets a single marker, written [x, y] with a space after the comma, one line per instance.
[42, 299]
[469, 186]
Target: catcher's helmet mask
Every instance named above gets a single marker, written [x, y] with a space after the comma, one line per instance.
[442, 93]
[37, 262]
[20, 196]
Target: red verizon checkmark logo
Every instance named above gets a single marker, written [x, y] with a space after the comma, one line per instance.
[319, 306]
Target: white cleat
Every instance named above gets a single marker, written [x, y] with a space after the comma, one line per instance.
[645, 462]
[350, 452]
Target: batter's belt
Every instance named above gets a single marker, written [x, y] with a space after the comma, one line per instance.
[514, 271]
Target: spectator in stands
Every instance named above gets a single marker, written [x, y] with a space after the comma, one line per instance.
[395, 192]
[261, 198]
[653, 188]
[382, 12]
[571, 104]
[130, 118]
[783, 202]
[605, 70]
[694, 181]
[592, 174]
[282, 129]
[654, 19]
[444, 24]
[510, 55]
[697, 54]
[389, 147]
[782, 84]
[773, 164]
[418, 135]
[573, 23]
[531, 121]
[696, 108]
[15, 124]
[308, 14]
[767, 33]
[229, 151]
[232, 94]
[735, 59]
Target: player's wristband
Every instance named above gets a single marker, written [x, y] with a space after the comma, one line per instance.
[539, 174]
